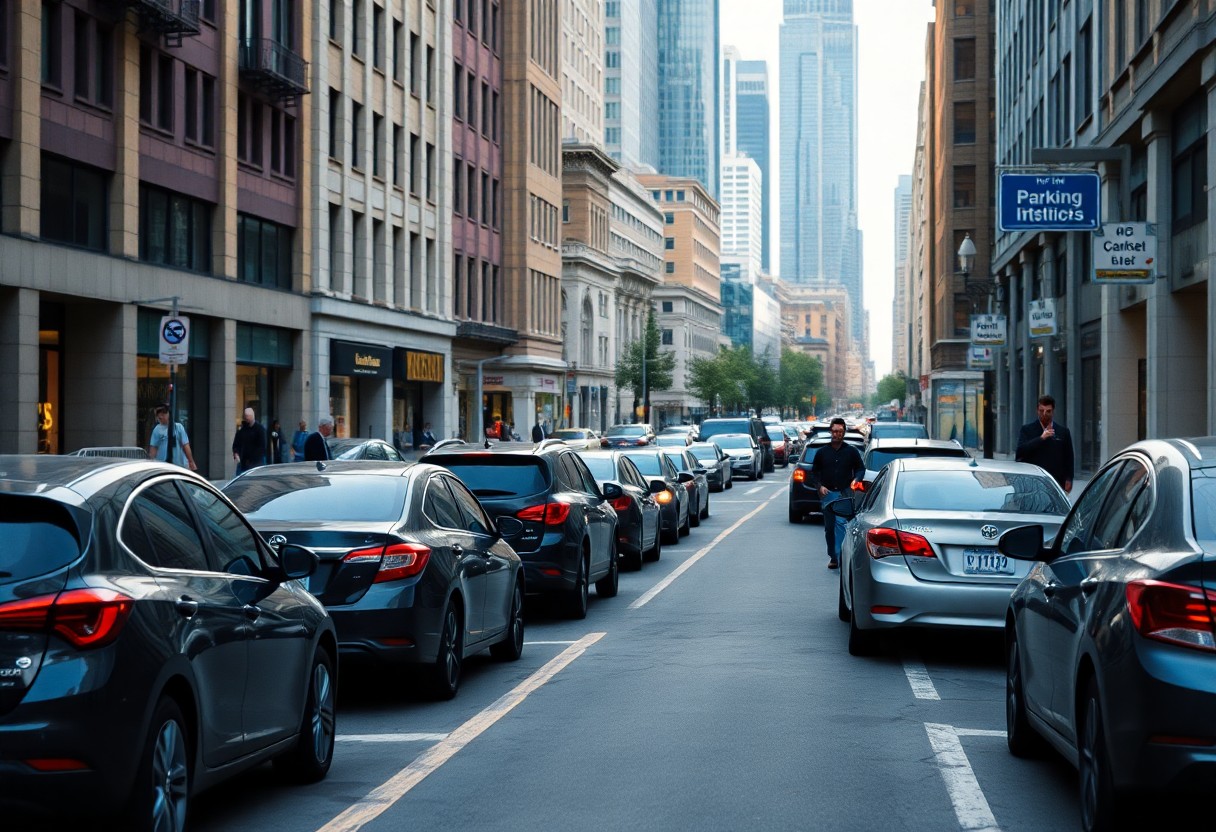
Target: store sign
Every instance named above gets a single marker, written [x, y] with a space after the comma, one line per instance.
[988, 330]
[1125, 252]
[1049, 201]
[491, 381]
[1042, 318]
[347, 359]
[545, 384]
[423, 366]
[980, 358]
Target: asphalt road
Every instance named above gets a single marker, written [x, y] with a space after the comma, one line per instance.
[714, 693]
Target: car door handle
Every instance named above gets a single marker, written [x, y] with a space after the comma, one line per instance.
[187, 606]
[1089, 585]
[1049, 589]
[252, 612]
[457, 549]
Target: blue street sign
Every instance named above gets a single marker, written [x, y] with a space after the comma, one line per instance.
[1049, 202]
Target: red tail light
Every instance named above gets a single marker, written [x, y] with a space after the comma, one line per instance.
[85, 617]
[884, 543]
[397, 560]
[643, 441]
[623, 503]
[799, 475]
[551, 514]
[1173, 613]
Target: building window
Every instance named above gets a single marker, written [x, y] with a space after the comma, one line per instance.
[200, 108]
[565, 211]
[356, 135]
[458, 89]
[249, 130]
[964, 59]
[377, 37]
[398, 159]
[174, 230]
[52, 38]
[398, 50]
[668, 338]
[94, 61]
[263, 252]
[282, 143]
[669, 243]
[458, 185]
[356, 28]
[1189, 169]
[964, 122]
[430, 171]
[377, 145]
[415, 66]
[415, 165]
[964, 186]
[964, 8]
[670, 267]
[669, 218]
[1085, 57]
[666, 306]
[74, 204]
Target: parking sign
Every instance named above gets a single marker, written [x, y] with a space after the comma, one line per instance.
[174, 339]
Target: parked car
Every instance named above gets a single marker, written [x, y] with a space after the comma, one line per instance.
[804, 499]
[577, 438]
[795, 438]
[897, 430]
[746, 458]
[674, 503]
[781, 444]
[569, 536]
[921, 548]
[1111, 638]
[742, 424]
[693, 475]
[881, 451]
[673, 440]
[152, 644]
[716, 464]
[369, 449]
[626, 436]
[413, 572]
[639, 524]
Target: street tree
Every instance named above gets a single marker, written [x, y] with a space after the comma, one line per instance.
[894, 386]
[801, 381]
[660, 365]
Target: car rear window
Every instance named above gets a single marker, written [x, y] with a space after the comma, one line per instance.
[979, 490]
[713, 428]
[898, 432]
[601, 467]
[875, 459]
[1203, 509]
[648, 464]
[627, 430]
[703, 453]
[498, 476]
[318, 497]
[569, 434]
[679, 461]
[734, 441]
[776, 433]
[40, 536]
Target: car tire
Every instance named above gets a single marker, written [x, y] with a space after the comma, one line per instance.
[576, 597]
[512, 645]
[449, 660]
[705, 509]
[1022, 739]
[760, 473]
[309, 759]
[694, 516]
[861, 642]
[1102, 805]
[842, 609]
[656, 551]
[795, 515]
[730, 483]
[607, 586]
[160, 797]
[686, 529]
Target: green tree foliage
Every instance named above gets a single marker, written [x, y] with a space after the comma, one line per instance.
[801, 377]
[659, 370]
[736, 381]
[891, 387]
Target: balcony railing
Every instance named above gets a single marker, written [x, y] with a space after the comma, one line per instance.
[490, 333]
[274, 68]
[171, 18]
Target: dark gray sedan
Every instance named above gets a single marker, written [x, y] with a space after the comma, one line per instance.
[692, 475]
[716, 464]
[639, 525]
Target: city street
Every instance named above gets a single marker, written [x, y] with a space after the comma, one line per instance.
[715, 692]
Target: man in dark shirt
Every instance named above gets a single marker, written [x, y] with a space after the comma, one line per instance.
[249, 446]
[1047, 444]
[316, 449]
[833, 471]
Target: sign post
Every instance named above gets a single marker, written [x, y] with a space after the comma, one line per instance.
[174, 350]
[1125, 252]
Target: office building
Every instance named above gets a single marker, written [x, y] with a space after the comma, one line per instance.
[631, 81]
[753, 131]
[688, 77]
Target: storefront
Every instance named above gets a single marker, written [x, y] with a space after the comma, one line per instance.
[958, 410]
[417, 384]
[358, 374]
[263, 362]
[497, 404]
[50, 378]
[549, 408]
[193, 383]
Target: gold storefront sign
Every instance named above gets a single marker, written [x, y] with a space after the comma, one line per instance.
[423, 366]
[367, 361]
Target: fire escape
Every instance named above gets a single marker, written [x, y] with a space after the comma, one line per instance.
[274, 69]
[171, 19]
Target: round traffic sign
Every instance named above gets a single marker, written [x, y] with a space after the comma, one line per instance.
[174, 331]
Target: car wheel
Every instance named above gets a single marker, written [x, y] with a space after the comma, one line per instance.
[445, 672]
[730, 483]
[607, 586]
[1102, 806]
[672, 536]
[795, 515]
[861, 642]
[576, 598]
[161, 794]
[656, 551]
[512, 645]
[760, 473]
[308, 761]
[694, 516]
[687, 527]
[705, 508]
[842, 609]
[634, 562]
[1022, 739]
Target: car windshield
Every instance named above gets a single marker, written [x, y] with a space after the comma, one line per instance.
[713, 428]
[776, 433]
[898, 431]
[39, 537]
[313, 496]
[498, 476]
[979, 490]
[733, 441]
[648, 464]
[703, 453]
[601, 467]
[876, 459]
[626, 430]
[569, 434]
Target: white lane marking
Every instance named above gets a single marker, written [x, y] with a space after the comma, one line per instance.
[970, 806]
[688, 564]
[918, 678]
[548, 642]
[979, 732]
[754, 490]
[384, 796]
[390, 737]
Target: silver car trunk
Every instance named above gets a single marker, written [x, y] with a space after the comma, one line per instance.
[964, 544]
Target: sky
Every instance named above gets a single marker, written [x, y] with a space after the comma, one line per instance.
[891, 66]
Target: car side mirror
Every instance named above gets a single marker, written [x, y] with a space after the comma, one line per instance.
[297, 562]
[1023, 543]
[844, 508]
[509, 527]
[700, 470]
[612, 490]
[685, 476]
[658, 486]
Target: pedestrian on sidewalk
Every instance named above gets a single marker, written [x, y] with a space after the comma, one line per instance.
[834, 469]
[1047, 444]
[315, 446]
[276, 447]
[297, 442]
[249, 445]
[158, 445]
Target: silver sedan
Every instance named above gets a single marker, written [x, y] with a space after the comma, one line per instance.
[921, 550]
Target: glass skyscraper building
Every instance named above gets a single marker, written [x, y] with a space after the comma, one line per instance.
[688, 90]
[820, 240]
[752, 137]
[631, 81]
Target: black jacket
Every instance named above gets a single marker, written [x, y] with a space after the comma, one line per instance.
[250, 444]
[315, 447]
[1054, 456]
[836, 469]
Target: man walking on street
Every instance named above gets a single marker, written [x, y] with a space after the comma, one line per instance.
[315, 446]
[158, 445]
[1047, 444]
[833, 471]
[249, 446]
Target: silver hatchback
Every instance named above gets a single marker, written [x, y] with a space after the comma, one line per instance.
[921, 548]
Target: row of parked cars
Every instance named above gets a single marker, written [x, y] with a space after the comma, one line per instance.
[1107, 605]
[158, 635]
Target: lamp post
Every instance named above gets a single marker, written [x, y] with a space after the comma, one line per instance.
[977, 292]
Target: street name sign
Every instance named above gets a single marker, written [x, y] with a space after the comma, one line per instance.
[1049, 201]
[174, 339]
[1125, 252]
[1042, 318]
[988, 330]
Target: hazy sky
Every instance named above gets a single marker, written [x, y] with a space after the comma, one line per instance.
[891, 66]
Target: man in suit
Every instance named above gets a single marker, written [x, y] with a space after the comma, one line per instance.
[1048, 444]
[315, 446]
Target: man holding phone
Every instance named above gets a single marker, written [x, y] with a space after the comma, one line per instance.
[1047, 444]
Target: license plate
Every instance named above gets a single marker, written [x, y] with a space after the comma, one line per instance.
[986, 562]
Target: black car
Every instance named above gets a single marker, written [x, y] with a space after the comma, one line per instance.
[674, 502]
[412, 570]
[627, 436]
[639, 525]
[692, 474]
[716, 464]
[1111, 637]
[804, 499]
[743, 424]
[152, 644]
[569, 535]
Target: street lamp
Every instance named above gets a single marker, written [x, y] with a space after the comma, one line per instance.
[978, 291]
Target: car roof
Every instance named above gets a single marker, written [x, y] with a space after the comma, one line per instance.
[879, 443]
[1199, 451]
[69, 478]
[886, 425]
[335, 467]
[947, 463]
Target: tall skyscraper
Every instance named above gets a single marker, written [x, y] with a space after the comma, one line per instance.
[820, 241]
[631, 81]
[899, 311]
[688, 90]
[752, 137]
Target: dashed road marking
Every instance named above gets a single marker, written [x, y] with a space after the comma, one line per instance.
[754, 489]
[391, 737]
[528, 643]
[918, 678]
[970, 806]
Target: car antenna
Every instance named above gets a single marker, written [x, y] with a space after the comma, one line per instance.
[487, 445]
[320, 465]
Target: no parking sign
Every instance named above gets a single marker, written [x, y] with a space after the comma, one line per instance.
[174, 339]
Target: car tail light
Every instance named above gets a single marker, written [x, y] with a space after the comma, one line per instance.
[85, 617]
[799, 475]
[1173, 613]
[397, 560]
[663, 497]
[551, 514]
[55, 764]
[643, 441]
[860, 485]
[623, 503]
[884, 543]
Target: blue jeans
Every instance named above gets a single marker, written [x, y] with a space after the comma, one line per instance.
[833, 526]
